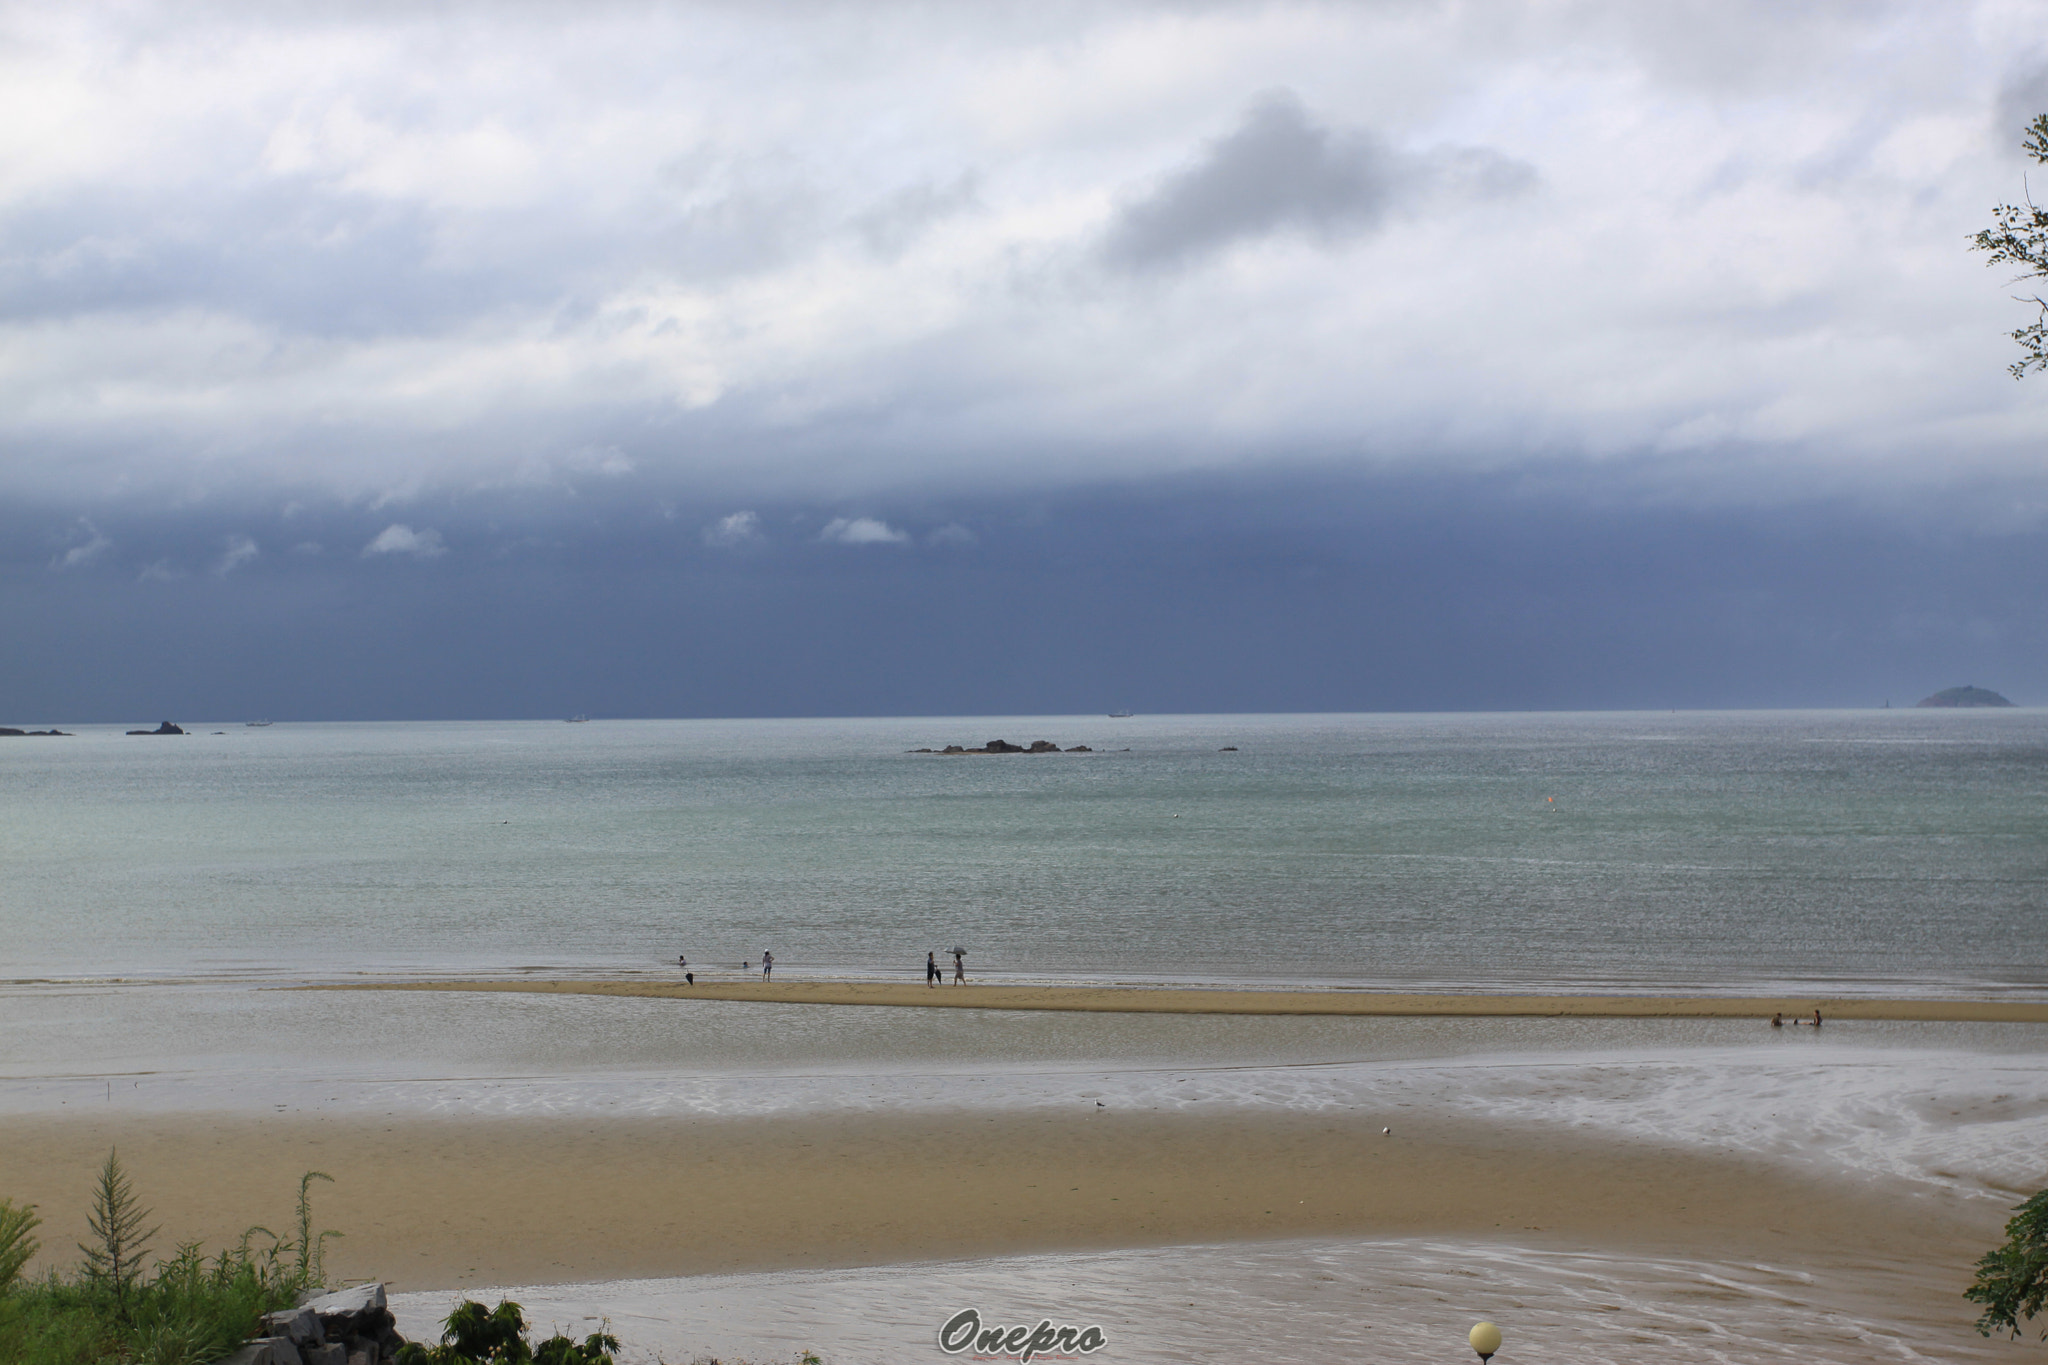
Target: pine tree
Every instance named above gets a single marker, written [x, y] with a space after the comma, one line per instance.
[116, 1263]
[17, 1247]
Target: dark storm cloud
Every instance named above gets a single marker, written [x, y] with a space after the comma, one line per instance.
[1221, 593]
[1280, 170]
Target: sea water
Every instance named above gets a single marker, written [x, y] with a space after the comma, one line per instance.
[1880, 852]
[154, 891]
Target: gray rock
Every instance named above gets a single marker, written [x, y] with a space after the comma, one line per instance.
[333, 1353]
[345, 1303]
[266, 1351]
[300, 1324]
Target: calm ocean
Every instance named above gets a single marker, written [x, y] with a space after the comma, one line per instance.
[1848, 852]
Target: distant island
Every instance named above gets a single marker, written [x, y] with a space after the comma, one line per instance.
[1000, 746]
[7, 730]
[165, 729]
[1964, 696]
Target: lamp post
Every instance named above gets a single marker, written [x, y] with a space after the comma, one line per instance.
[1485, 1339]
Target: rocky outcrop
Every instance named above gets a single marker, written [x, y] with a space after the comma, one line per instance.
[1003, 746]
[165, 729]
[1964, 696]
[7, 730]
[346, 1327]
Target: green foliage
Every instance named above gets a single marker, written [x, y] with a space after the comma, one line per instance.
[311, 1249]
[2012, 1281]
[17, 1247]
[475, 1335]
[191, 1311]
[115, 1263]
[2019, 236]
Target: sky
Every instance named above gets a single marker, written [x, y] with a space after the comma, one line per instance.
[400, 361]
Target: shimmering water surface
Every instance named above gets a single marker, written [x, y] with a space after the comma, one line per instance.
[1884, 851]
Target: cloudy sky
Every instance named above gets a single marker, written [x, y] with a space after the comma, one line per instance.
[520, 359]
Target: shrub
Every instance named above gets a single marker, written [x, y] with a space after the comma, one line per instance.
[475, 1335]
[2012, 1281]
[188, 1310]
[17, 1247]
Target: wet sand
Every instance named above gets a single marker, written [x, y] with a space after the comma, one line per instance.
[1127, 999]
[434, 1203]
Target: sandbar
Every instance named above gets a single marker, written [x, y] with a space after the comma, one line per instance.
[1134, 999]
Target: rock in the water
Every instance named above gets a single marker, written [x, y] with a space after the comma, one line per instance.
[1003, 746]
[1964, 696]
[165, 729]
[1227, 749]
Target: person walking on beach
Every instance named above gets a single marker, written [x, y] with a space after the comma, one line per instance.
[767, 965]
[931, 970]
[959, 966]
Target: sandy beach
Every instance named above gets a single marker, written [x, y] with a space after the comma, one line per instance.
[443, 1203]
[1143, 1000]
[602, 1148]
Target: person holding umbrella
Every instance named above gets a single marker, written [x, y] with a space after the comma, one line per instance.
[959, 966]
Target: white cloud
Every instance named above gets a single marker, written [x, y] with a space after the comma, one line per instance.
[861, 531]
[953, 534]
[830, 250]
[240, 551]
[741, 528]
[400, 539]
[162, 571]
[91, 547]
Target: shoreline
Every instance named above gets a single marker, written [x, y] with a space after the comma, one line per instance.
[1123, 999]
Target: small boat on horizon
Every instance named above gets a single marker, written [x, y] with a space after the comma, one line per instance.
[256, 724]
[579, 720]
[1120, 715]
